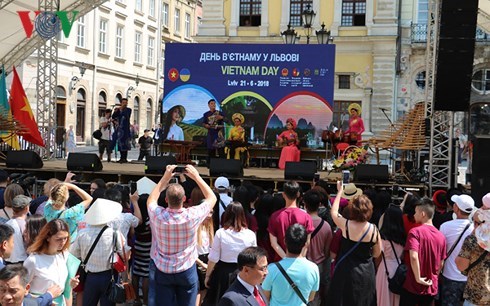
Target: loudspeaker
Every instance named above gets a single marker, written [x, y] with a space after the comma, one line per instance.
[304, 171]
[83, 162]
[480, 180]
[157, 164]
[23, 159]
[456, 47]
[225, 167]
[371, 173]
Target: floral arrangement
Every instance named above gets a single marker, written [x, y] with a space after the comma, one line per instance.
[351, 157]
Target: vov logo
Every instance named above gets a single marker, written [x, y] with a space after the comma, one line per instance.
[47, 24]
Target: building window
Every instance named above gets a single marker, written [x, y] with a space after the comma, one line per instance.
[139, 5]
[420, 80]
[151, 9]
[481, 80]
[118, 98]
[137, 47]
[119, 41]
[353, 13]
[340, 117]
[344, 81]
[102, 103]
[81, 105]
[60, 93]
[136, 110]
[103, 36]
[151, 51]
[165, 15]
[81, 32]
[149, 103]
[297, 7]
[187, 25]
[177, 21]
[250, 11]
[422, 11]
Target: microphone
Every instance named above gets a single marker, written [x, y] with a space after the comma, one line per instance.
[383, 109]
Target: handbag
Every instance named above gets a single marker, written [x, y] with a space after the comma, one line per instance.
[97, 134]
[395, 284]
[117, 262]
[116, 292]
[291, 283]
[81, 272]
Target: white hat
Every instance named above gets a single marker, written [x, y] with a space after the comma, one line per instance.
[486, 200]
[350, 191]
[222, 183]
[464, 202]
[102, 212]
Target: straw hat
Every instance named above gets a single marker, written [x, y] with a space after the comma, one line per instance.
[181, 111]
[350, 191]
[102, 212]
[355, 106]
[238, 116]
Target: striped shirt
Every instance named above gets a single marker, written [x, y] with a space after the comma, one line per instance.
[173, 248]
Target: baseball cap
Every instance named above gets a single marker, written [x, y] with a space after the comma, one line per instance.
[486, 200]
[464, 202]
[222, 182]
[20, 202]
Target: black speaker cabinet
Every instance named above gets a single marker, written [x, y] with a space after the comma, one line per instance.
[157, 164]
[225, 167]
[23, 159]
[304, 171]
[480, 178]
[83, 162]
[371, 173]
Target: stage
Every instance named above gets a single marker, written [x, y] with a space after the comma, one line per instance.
[267, 178]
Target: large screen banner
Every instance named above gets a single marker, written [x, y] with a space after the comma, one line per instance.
[267, 84]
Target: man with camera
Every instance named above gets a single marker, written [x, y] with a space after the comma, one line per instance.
[173, 273]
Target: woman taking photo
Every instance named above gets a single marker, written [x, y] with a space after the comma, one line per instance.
[47, 260]
[353, 281]
[229, 240]
[289, 139]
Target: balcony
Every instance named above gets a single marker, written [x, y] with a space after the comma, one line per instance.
[419, 34]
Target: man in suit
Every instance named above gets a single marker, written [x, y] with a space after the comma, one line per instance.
[252, 266]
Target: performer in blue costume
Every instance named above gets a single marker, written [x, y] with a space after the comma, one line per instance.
[122, 134]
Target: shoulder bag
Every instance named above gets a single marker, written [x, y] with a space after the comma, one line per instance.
[291, 283]
[82, 273]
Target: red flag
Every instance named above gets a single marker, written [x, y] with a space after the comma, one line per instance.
[21, 110]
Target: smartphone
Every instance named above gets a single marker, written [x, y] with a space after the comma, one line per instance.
[316, 178]
[132, 187]
[345, 177]
[174, 180]
[179, 169]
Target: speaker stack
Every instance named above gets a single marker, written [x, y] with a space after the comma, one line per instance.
[303, 171]
[83, 162]
[225, 167]
[23, 159]
[158, 164]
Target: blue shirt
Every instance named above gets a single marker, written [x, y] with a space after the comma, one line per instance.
[71, 216]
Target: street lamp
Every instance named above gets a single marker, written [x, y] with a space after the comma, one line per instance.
[131, 88]
[75, 79]
[290, 36]
[323, 36]
[308, 15]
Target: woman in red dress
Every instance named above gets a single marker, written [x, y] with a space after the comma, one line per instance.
[356, 125]
[288, 138]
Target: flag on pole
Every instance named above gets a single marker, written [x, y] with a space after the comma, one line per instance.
[8, 136]
[21, 110]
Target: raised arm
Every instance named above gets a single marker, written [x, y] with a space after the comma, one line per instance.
[162, 184]
[208, 193]
[86, 198]
[137, 212]
[334, 211]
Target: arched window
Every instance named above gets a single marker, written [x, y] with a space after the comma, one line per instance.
[420, 80]
[149, 121]
[102, 103]
[136, 110]
[60, 93]
[481, 81]
[81, 105]
[118, 98]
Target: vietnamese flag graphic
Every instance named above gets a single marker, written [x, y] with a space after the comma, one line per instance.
[173, 74]
[21, 110]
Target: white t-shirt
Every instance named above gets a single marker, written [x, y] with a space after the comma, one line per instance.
[19, 251]
[228, 244]
[46, 270]
[175, 133]
[123, 223]
[451, 230]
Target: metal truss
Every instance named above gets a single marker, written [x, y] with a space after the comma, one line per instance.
[441, 122]
[4, 3]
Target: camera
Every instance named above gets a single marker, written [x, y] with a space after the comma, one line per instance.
[345, 177]
[179, 169]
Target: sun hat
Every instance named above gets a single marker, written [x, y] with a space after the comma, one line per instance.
[181, 110]
[355, 106]
[102, 212]
[464, 202]
[238, 116]
[350, 191]
[486, 201]
[222, 183]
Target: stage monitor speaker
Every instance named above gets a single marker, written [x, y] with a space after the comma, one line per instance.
[83, 162]
[480, 178]
[303, 171]
[157, 164]
[225, 167]
[371, 173]
[456, 47]
[23, 159]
